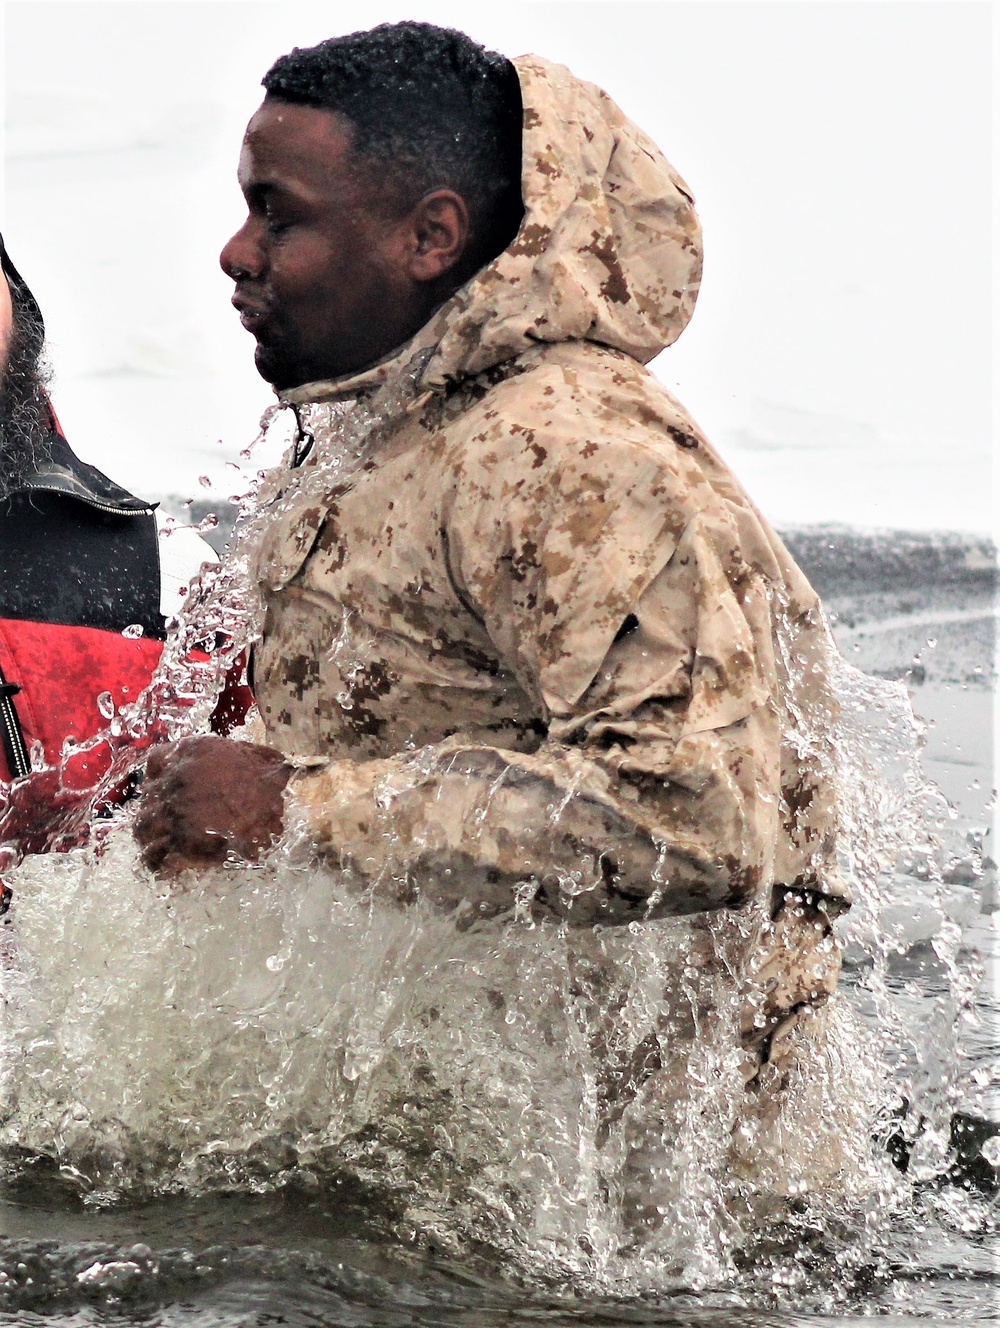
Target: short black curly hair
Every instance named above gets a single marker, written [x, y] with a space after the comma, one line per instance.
[431, 109]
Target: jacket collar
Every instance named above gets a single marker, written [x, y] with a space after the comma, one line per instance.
[64, 473]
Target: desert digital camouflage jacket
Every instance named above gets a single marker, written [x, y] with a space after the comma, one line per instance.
[526, 637]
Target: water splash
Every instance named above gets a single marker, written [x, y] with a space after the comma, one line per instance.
[571, 1100]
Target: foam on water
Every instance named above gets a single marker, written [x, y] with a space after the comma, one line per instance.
[488, 1085]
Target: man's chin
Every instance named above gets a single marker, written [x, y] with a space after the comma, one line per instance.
[270, 367]
[276, 370]
[284, 372]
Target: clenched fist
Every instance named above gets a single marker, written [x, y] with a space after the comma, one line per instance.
[206, 799]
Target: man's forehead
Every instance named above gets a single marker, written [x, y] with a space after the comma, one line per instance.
[286, 141]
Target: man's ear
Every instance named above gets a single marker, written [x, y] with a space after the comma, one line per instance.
[439, 229]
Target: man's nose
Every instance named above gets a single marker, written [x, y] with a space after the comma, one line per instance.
[241, 257]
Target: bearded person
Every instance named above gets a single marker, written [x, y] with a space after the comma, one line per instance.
[527, 648]
[84, 594]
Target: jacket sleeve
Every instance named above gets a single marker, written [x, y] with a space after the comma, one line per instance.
[654, 790]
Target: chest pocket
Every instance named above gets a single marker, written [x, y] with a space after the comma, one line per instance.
[293, 527]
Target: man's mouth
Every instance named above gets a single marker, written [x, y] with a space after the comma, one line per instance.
[252, 316]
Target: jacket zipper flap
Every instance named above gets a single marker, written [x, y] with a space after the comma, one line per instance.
[11, 734]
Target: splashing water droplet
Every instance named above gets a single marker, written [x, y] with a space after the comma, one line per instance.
[106, 705]
[204, 481]
[540, 1105]
[133, 631]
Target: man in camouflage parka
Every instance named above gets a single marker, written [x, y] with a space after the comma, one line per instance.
[526, 644]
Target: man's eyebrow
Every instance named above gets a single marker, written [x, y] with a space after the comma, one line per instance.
[261, 189]
[259, 193]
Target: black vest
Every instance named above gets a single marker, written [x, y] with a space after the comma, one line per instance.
[77, 549]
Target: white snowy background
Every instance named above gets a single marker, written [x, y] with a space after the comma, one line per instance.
[839, 152]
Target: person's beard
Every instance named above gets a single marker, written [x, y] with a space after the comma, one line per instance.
[25, 419]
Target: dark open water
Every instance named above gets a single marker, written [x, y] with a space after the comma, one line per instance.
[330, 1252]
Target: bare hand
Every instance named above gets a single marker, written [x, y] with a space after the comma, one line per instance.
[206, 799]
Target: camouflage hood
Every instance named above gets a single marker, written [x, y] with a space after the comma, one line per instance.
[609, 249]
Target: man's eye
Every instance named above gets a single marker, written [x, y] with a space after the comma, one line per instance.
[276, 227]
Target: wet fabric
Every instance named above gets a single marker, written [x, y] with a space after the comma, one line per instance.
[527, 638]
[66, 675]
[63, 561]
[81, 628]
[79, 563]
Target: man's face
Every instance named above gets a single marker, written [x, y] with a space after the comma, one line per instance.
[24, 410]
[319, 264]
[6, 322]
